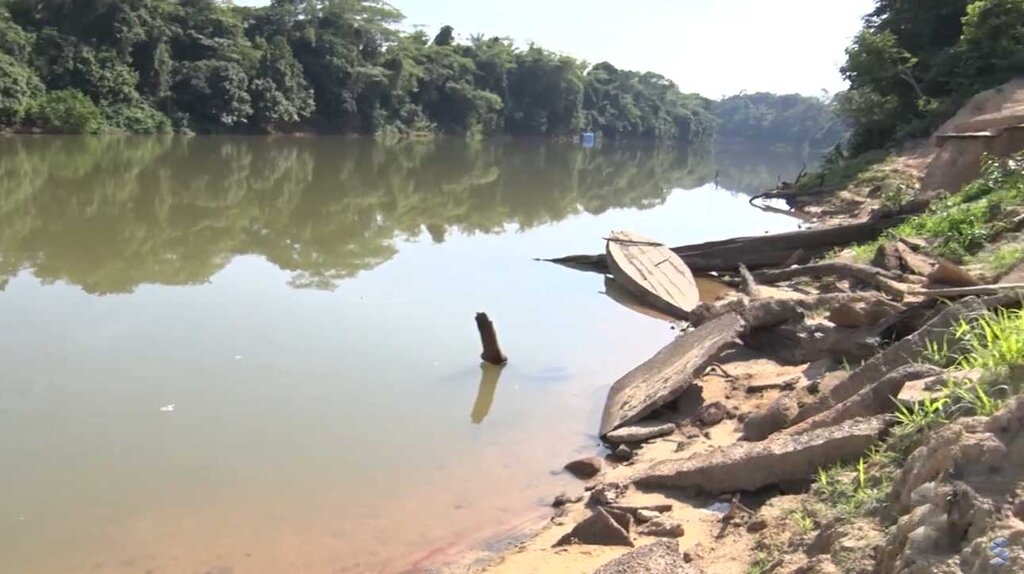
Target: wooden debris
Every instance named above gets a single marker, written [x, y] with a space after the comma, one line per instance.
[747, 283]
[750, 466]
[884, 280]
[758, 252]
[492, 352]
[951, 293]
[663, 377]
[653, 273]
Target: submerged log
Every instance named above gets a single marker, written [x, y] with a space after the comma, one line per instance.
[758, 252]
[492, 352]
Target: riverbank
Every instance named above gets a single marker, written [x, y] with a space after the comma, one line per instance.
[855, 424]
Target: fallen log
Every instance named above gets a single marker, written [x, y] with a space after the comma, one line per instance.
[884, 280]
[907, 351]
[999, 289]
[874, 399]
[750, 466]
[757, 252]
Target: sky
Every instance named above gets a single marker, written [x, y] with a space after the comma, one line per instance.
[714, 47]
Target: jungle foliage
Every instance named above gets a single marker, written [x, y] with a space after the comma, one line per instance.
[339, 66]
[915, 63]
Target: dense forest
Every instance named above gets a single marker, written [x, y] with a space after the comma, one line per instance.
[915, 63]
[790, 119]
[339, 66]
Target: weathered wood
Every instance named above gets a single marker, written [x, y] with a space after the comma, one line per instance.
[747, 283]
[756, 252]
[492, 352]
[653, 273]
[667, 374]
[998, 289]
[884, 280]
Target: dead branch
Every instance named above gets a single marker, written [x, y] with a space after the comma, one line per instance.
[884, 280]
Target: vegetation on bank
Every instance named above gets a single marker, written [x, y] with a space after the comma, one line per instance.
[958, 226]
[327, 65]
[337, 66]
[792, 119]
[914, 64]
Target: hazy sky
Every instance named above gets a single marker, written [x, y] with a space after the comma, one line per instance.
[715, 47]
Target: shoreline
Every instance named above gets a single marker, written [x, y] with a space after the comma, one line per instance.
[751, 382]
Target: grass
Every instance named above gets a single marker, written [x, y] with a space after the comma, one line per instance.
[861, 170]
[855, 489]
[1001, 260]
[762, 563]
[803, 521]
[959, 225]
[993, 342]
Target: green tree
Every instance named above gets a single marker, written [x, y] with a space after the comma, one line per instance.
[280, 93]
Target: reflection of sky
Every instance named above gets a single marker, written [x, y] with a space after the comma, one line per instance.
[335, 401]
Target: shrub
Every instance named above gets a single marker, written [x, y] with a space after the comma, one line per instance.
[65, 111]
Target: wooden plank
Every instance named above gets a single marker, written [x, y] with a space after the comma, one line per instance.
[653, 273]
[667, 374]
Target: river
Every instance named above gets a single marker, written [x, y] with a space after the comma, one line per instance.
[241, 355]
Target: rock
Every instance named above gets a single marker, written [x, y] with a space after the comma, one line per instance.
[640, 432]
[688, 557]
[956, 494]
[872, 400]
[663, 527]
[712, 414]
[817, 565]
[909, 350]
[804, 343]
[645, 516]
[623, 452]
[915, 262]
[887, 257]
[946, 273]
[586, 468]
[608, 493]
[564, 499]
[863, 314]
[598, 529]
[750, 466]
[691, 432]
[665, 376]
[757, 525]
[775, 417]
[662, 557]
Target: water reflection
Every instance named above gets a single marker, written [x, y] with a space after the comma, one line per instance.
[110, 214]
[489, 375]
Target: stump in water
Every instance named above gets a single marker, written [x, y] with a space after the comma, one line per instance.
[492, 352]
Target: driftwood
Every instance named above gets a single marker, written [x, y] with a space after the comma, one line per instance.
[968, 291]
[747, 283]
[758, 252]
[884, 280]
[492, 352]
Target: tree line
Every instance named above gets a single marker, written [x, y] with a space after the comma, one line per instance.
[334, 66]
[914, 64]
[792, 119]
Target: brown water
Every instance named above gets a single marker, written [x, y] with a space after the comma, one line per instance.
[307, 307]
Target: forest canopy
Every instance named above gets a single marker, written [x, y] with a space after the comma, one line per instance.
[791, 119]
[915, 63]
[338, 66]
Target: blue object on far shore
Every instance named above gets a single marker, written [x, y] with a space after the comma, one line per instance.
[587, 139]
